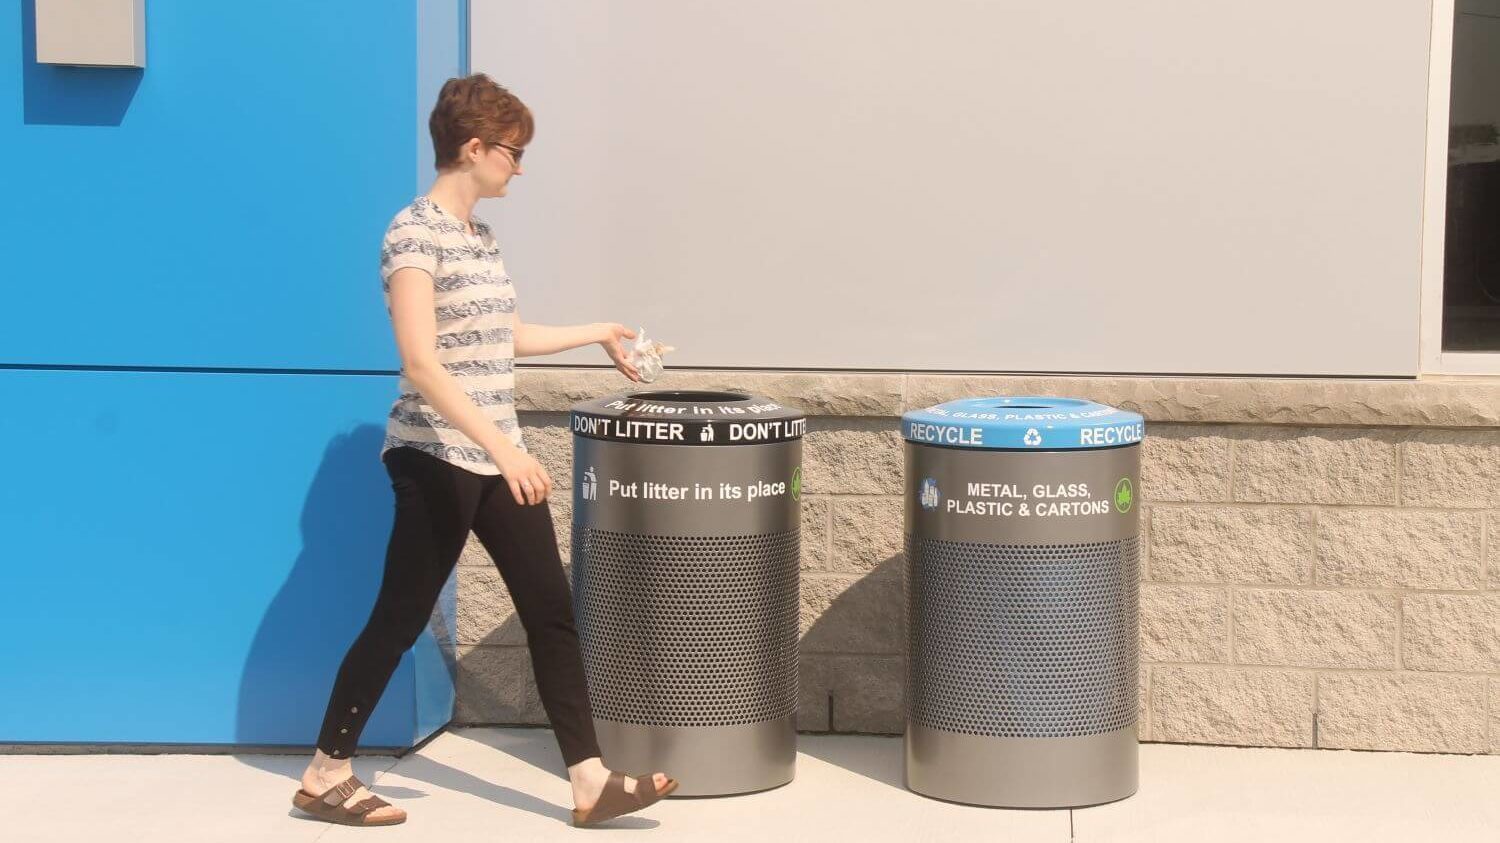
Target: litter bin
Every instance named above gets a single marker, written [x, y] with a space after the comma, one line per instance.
[1022, 601]
[685, 583]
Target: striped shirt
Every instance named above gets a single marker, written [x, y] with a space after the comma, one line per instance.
[475, 305]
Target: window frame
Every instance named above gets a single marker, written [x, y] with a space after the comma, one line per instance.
[1434, 360]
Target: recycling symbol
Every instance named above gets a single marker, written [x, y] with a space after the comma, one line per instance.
[1032, 438]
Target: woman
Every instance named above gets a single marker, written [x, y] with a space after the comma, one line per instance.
[457, 462]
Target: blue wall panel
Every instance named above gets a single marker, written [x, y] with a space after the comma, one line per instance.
[222, 207]
[186, 556]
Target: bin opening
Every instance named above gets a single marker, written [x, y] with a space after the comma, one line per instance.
[690, 396]
[1038, 403]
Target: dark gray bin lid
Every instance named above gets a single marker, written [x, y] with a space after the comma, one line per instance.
[688, 417]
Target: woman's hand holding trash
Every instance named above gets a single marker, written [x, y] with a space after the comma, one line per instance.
[646, 358]
[614, 333]
[643, 362]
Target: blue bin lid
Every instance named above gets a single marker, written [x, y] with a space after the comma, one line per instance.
[1023, 423]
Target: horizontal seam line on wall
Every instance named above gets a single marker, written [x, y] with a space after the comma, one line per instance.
[811, 652]
[1387, 590]
[1324, 748]
[845, 370]
[1374, 671]
[1383, 507]
[209, 370]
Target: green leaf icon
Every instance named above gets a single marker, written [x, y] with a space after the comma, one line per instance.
[1124, 495]
[797, 484]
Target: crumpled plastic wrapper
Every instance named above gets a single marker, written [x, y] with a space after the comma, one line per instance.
[646, 357]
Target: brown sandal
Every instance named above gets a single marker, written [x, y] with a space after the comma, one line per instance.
[330, 806]
[614, 801]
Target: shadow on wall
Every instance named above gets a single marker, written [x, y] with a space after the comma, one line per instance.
[71, 96]
[496, 683]
[853, 671]
[494, 679]
[852, 668]
[496, 687]
[345, 524]
[851, 677]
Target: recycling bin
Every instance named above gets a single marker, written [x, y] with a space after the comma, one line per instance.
[1022, 587]
[685, 583]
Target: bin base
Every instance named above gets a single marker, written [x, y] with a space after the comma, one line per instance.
[1022, 772]
[705, 760]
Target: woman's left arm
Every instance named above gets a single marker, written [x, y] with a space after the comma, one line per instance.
[538, 340]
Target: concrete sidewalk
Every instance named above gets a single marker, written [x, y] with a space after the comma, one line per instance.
[506, 785]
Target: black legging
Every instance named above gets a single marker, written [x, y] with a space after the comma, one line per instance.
[437, 504]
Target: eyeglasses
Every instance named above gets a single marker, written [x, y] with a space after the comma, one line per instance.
[515, 151]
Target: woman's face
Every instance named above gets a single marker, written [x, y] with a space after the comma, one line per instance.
[493, 166]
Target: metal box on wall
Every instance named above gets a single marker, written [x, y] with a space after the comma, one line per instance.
[101, 33]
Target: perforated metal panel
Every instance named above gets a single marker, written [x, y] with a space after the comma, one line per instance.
[688, 631]
[1036, 641]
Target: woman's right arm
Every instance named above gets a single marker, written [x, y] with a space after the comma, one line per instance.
[416, 339]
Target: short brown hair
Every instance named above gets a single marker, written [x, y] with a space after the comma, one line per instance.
[476, 107]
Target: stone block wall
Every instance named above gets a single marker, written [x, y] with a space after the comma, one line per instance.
[1321, 559]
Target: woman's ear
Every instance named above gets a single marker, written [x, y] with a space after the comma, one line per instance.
[471, 150]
